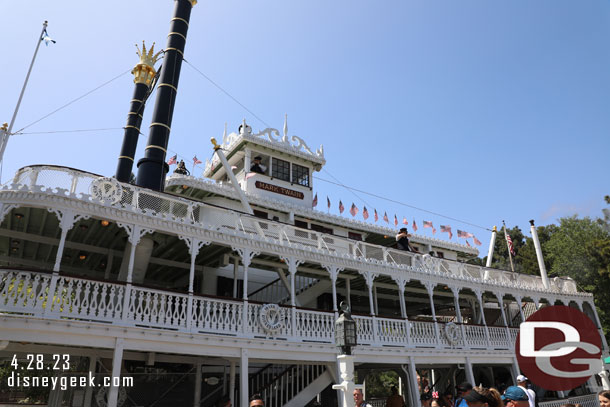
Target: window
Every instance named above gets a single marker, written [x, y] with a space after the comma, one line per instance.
[321, 229]
[300, 175]
[354, 236]
[260, 214]
[281, 169]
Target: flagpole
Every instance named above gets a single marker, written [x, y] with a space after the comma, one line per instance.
[7, 132]
[510, 257]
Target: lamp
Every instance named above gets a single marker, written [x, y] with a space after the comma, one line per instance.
[104, 222]
[345, 330]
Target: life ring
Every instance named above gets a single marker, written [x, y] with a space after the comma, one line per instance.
[271, 318]
[453, 333]
[101, 397]
[106, 189]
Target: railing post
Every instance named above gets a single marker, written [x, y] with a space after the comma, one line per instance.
[501, 304]
[292, 263]
[458, 313]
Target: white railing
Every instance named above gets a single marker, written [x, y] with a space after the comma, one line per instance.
[590, 400]
[78, 184]
[27, 293]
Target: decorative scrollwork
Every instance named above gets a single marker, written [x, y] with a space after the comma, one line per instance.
[453, 333]
[271, 318]
[106, 189]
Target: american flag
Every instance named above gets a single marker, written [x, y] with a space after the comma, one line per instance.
[314, 203]
[467, 244]
[428, 224]
[509, 241]
[395, 220]
[173, 160]
[447, 229]
[414, 226]
[385, 217]
[353, 210]
[433, 231]
[376, 216]
[196, 160]
[341, 207]
[464, 235]
[365, 213]
[405, 221]
[476, 241]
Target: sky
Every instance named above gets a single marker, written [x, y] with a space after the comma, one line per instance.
[474, 110]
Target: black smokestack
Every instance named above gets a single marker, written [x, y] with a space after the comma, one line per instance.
[144, 74]
[152, 168]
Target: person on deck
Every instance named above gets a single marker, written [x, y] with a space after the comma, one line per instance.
[181, 168]
[257, 166]
[402, 240]
[359, 400]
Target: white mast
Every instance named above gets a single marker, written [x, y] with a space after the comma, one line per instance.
[510, 256]
[545, 278]
[5, 132]
[490, 253]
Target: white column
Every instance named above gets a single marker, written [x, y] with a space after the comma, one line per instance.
[430, 288]
[520, 305]
[501, 304]
[348, 286]
[117, 358]
[246, 255]
[232, 382]
[135, 233]
[109, 262]
[194, 246]
[197, 395]
[235, 269]
[469, 372]
[333, 272]
[605, 381]
[541, 266]
[293, 264]
[369, 277]
[244, 394]
[89, 389]
[516, 370]
[414, 393]
[458, 313]
[479, 295]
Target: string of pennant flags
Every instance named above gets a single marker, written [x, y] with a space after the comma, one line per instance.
[426, 224]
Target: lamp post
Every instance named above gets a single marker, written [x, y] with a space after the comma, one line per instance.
[345, 338]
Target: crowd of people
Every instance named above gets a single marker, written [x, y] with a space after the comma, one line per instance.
[466, 396]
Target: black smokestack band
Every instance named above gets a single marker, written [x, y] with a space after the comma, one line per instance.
[152, 168]
[132, 133]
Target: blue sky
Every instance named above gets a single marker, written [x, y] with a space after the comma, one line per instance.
[478, 110]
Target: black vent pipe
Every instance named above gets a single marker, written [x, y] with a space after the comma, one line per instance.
[152, 168]
[144, 74]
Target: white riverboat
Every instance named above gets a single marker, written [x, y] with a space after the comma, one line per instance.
[195, 297]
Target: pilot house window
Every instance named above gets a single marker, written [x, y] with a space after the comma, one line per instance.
[300, 175]
[281, 169]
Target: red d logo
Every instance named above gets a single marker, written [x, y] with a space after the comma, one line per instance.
[558, 348]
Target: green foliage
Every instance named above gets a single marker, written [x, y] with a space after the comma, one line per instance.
[379, 383]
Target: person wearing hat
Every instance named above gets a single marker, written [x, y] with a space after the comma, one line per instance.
[531, 394]
[257, 166]
[402, 240]
[483, 397]
[462, 390]
[515, 396]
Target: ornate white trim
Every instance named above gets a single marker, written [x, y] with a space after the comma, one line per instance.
[271, 318]
[453, 333]
[269, 203]
[53, 201]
